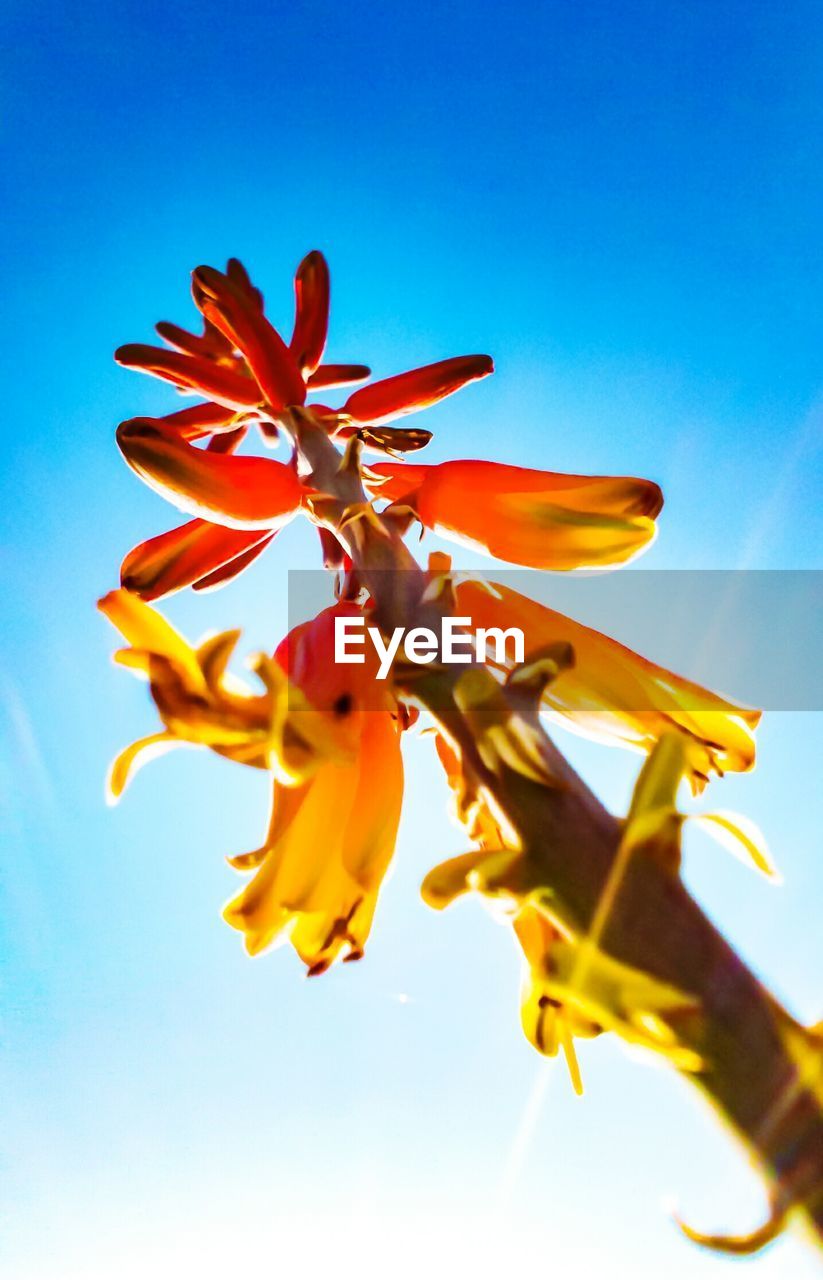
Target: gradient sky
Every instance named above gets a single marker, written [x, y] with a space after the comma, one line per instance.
[621, 202]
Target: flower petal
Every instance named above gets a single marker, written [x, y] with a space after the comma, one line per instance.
[302, 868]
[372, 828]
[311, 324]
[184, 556]
[239, 492]
[326, 376]
[241, 280]
[541, 519]
[132, 758]
[232, 568]
[147, 630]
[201, 420]
[210, 344]
[268, 357]
[227, 387]
[418, 389]
[615, 695]
[740, 836]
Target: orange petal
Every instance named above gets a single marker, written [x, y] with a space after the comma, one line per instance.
[612, 693]
[372, 828]
[418, 389]
[183, 556]
[541, 519]
[239, 492]
[200, 420]
[232, 568]
[149, 632]
[240, 278]
[337, 375]
[306, 654]
[213, 380]
[268, 357]
[211, 344]
[311, 323]
[227, 441]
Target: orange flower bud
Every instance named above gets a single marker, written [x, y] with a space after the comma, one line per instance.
[226, 386]
[541, 519]
[185, 555]
[239, 492]
[327, 376]
[311, 323]
[418, 389]
[269, 359]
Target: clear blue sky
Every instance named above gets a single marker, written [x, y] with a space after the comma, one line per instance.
[621, 202]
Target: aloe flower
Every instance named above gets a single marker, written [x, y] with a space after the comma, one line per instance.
[610, 940]
[251, 378]
[613, 694]
[331, 740]
[541, 519]
[572, 987]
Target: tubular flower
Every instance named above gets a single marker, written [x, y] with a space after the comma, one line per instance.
[572, 986]
[252, 377]
[541, 519]
[238, 492]
[547, 1022]
[198, 702]
[290, 728]
[613, 694]
[331, 837]
[330, 737]
[329, 844]
[190, 555]
[410, 392]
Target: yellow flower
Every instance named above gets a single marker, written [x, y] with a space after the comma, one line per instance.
[327, 850]
[572, 986]
[198, 702]
[614, 695]
[547, 1022]
[329, 735]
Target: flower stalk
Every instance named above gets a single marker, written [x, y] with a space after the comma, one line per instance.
[612, 941]
[760, 1069]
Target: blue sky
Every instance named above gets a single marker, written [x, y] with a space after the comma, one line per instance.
[621, 203]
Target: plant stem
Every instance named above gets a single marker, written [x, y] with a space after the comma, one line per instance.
[762, 1069]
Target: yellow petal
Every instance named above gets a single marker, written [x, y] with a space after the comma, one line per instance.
[570, 1055]
[145, 628]
[738, 1246]
[448, 880]
[740, 836]
[132, 758]
[613, 694]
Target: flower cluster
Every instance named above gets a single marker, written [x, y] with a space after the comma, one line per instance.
[329, 735]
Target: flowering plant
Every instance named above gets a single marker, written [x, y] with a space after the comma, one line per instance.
[611, 941]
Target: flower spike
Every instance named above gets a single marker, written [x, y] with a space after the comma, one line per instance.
[269, 359]
[611, 940]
